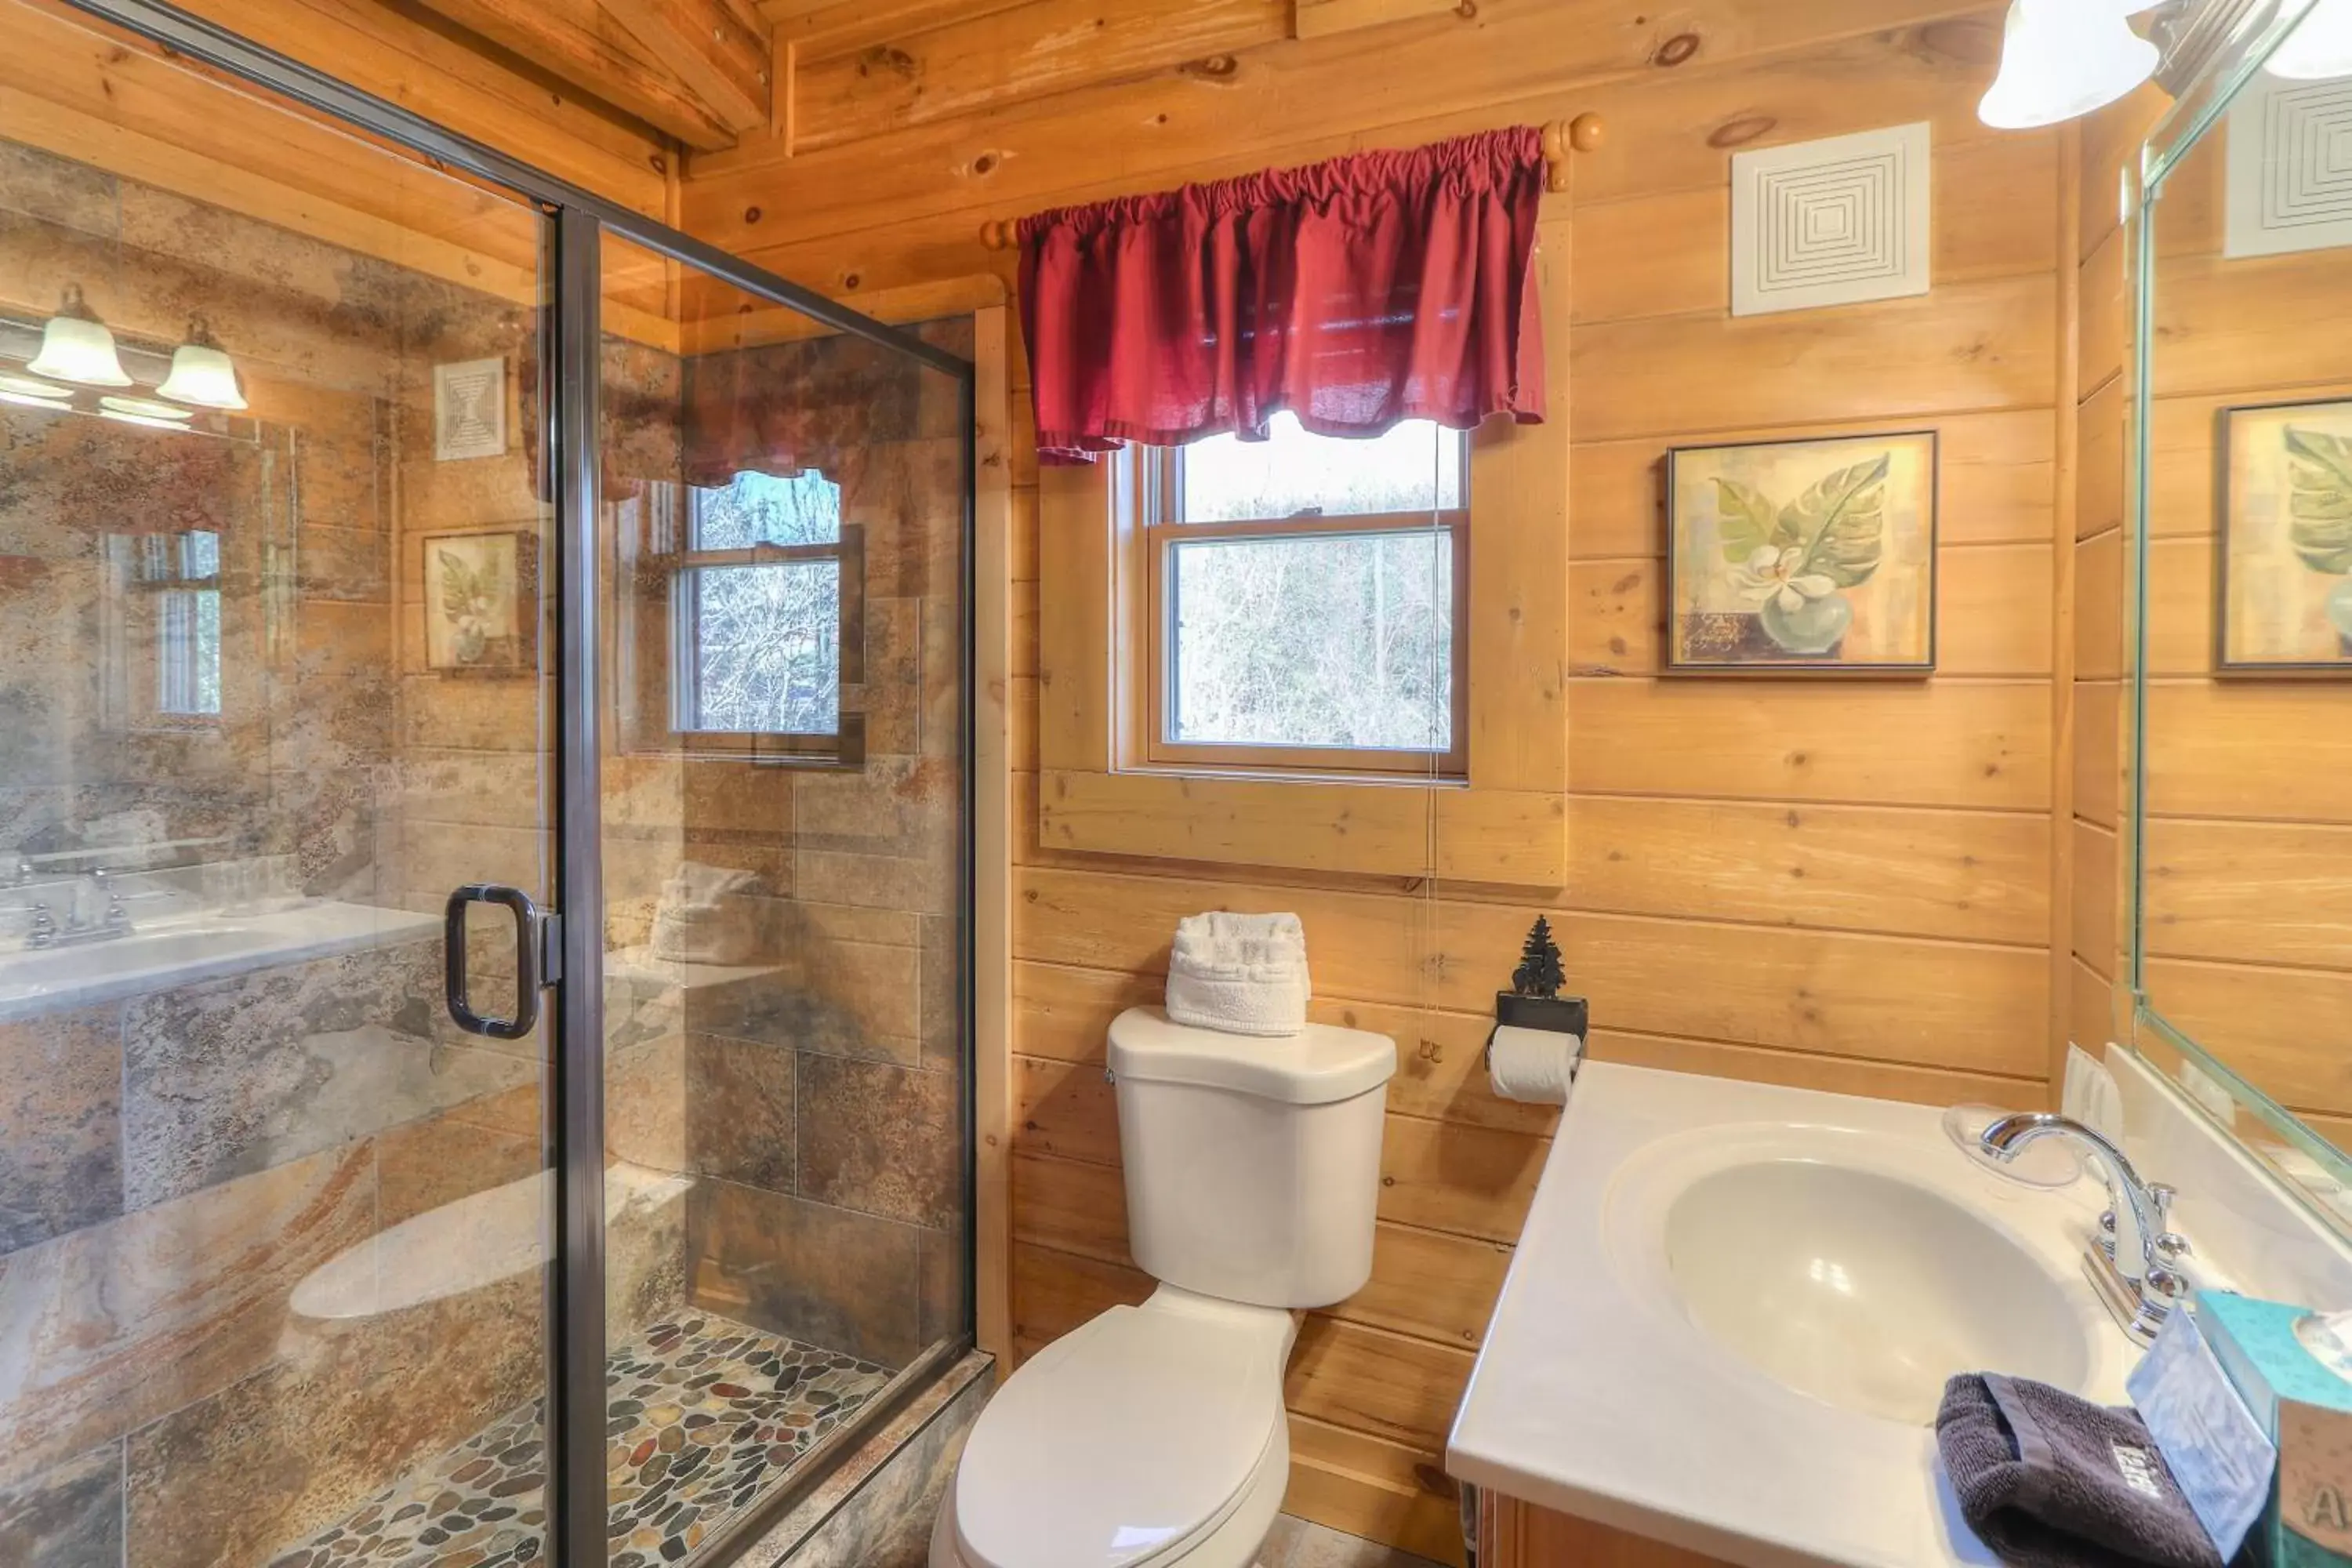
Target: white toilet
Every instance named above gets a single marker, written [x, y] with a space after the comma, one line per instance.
[1154, 1434]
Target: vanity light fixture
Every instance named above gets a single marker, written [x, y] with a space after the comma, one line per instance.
[202, 375]
[77, 347]
[2320, 47]
[2060, 58]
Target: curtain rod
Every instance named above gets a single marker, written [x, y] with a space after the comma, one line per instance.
[1561, 139]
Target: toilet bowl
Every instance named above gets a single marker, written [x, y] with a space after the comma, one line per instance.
[1154, 1434]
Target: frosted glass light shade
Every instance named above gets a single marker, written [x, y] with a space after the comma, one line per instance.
[77, 347]
[2060, 58]
[2319, 47]
[202, 376]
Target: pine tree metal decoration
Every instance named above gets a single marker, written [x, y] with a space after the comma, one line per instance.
[1534, 1001]
[1539, 974]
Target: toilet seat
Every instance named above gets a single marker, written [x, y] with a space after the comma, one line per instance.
[1126, 1441]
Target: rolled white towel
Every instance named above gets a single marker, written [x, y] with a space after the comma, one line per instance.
[1245, 975]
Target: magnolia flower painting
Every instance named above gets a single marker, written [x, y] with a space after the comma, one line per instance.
[2286, 541]
[480, 599]
[1804, 555]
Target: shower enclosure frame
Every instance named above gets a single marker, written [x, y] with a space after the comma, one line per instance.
[574, 953]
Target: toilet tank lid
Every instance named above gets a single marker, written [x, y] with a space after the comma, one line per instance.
[1314, 1066]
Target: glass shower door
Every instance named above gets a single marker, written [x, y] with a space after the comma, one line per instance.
[781, 583]
[274, 644]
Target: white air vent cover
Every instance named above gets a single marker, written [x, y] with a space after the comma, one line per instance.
[1831, 222]
[2290, 167]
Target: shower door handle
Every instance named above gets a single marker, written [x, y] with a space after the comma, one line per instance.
[532, 931]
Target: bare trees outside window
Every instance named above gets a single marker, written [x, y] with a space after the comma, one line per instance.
[1306, 593]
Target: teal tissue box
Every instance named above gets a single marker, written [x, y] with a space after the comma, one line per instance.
[2304, 1409]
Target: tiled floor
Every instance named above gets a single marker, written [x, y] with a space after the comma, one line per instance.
[1295, 1543]
[703, 1413]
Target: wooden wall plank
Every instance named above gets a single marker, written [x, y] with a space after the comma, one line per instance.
[1973, 875]
[1941, 1003]
[1965, 346]
[1950, 743]
[1391, 1387]
[2206, 740]
[2283, 1029]
[2257, 892]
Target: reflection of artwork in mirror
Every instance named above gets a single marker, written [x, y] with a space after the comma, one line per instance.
[2286, 540]
[1804, 555]
[481, 602]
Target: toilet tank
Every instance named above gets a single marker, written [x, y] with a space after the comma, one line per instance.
[1253, 1164]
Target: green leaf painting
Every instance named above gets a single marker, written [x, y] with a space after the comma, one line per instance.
[2319, 503]
[1751, 520]
[464, 591]
[1837, 525]
[1803, 554]
[1841, 521]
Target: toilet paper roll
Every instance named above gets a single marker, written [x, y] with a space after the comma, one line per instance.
[1537, 1066]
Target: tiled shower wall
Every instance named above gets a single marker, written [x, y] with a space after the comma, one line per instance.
[823, 1095]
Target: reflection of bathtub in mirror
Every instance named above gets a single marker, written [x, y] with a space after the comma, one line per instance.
[474, 1242]
[162, 956]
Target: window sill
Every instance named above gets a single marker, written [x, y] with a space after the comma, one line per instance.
[1513, 837]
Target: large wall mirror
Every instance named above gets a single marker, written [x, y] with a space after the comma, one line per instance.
[2240, 740]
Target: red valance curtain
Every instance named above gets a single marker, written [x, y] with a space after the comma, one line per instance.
[1356, 293]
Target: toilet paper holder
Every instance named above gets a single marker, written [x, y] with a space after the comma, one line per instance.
[1534, 1001]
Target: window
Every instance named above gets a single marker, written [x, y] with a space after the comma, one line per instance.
[183, 570]
[1305, 601]
[754, 596]
[164, 630]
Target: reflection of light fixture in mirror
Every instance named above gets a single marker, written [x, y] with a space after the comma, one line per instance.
[28, 387]
[27, 400]
[77, 347]
[145, 409]
[201, 373]
[2319, 47]
[2060, 58]
[147, 419]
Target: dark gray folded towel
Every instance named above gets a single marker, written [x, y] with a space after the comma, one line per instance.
[2050, 1480]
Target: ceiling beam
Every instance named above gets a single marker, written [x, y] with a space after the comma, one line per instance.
[719, 49]
[586, 50]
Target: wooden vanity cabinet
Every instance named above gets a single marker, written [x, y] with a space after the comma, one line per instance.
[1515, 1534]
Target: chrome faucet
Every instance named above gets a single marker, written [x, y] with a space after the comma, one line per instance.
[2134, 1260]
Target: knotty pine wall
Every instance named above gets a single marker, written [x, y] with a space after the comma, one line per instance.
[1841, 884]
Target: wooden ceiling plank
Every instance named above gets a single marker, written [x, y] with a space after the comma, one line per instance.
[1032, 51]
[844, 26]
[722, 52]
[601, 61]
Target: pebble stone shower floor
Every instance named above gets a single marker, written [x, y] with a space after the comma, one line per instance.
[702, 1415]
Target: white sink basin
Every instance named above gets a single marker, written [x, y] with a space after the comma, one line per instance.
[163, 957]
[1733, 1309]
[1861, 1290]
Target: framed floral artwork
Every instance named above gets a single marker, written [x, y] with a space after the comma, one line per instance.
[1808, 557]
[2284, 582]
[481, 603]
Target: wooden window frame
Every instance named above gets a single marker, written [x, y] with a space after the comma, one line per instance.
[1503, 822]
[655, 633]
[1163, 529]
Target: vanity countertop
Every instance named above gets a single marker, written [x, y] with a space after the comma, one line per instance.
[1599, 1394]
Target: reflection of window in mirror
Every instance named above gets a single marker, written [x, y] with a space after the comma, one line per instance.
[166, 647]
[748, 619]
